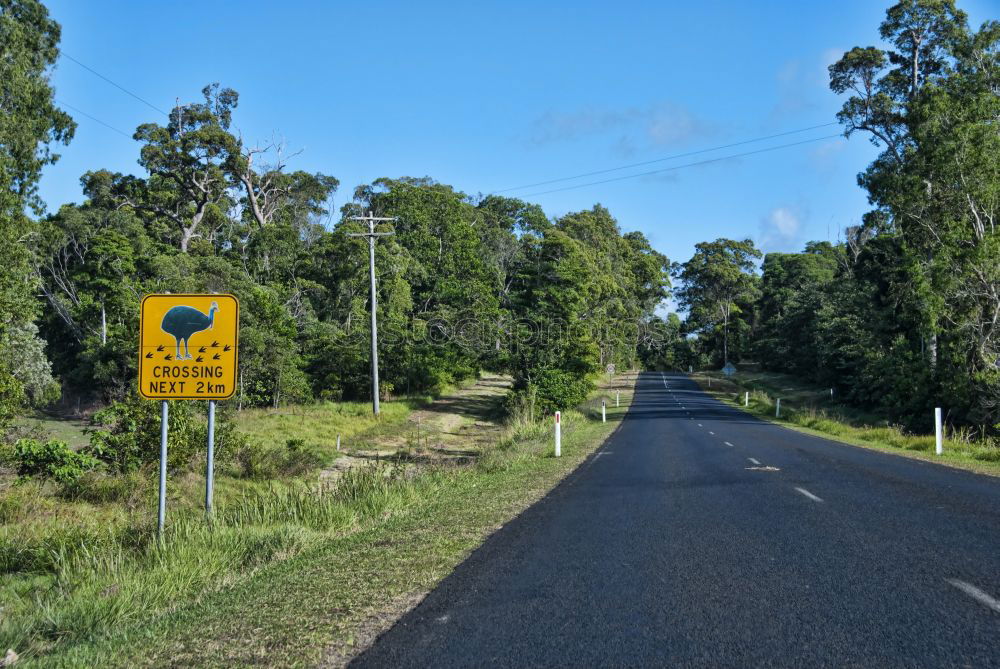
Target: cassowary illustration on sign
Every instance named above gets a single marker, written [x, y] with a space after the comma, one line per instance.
[182, 321]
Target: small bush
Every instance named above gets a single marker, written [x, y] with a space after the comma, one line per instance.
[129, 434]
[987, 454]
[550, 391]
[253, 460]
[53, 460]
[98, 487]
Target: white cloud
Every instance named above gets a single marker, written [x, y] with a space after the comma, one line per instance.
[558, 126]
[831, 56]
[670, 125]
[800, 83]
[824, 156]
[658, 125]
[780, 230]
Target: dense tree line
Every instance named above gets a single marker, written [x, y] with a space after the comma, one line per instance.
[904, 315]
[465, 282]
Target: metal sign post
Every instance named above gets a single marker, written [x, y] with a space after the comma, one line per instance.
[188, 347]
[162, 514]
[210, 460]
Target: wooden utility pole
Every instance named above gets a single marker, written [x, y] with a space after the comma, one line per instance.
[372, 235]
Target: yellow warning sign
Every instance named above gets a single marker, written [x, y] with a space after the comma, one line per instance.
[187, 346]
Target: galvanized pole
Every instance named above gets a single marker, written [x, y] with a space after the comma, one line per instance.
[371, 235]
[162, 517]
[371, 278]
[210, 461]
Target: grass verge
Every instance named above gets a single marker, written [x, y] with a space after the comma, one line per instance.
[813, 412]
[290, 576]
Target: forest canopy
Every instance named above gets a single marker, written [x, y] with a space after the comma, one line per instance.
[904, 315]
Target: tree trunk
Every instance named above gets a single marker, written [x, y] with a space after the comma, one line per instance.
[725, 341]
[186, 236]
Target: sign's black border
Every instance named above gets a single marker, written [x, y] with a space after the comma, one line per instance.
[236, 346]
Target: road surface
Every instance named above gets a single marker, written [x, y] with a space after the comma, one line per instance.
[700, 536]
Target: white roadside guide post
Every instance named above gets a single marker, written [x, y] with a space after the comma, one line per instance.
[746, 398]
[617, 398]
[558, 435]
[604, 411]
[938, 432]
[777, 409]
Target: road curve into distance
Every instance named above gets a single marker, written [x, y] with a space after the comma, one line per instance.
[700, 536]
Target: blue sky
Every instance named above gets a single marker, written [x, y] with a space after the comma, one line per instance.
[488, 95]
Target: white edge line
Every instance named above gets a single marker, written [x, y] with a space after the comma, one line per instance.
[809, 495]
[755, 461]
[975, 593]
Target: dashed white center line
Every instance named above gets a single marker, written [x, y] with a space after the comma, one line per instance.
[809, 495]
[754, 460]
[728, 444]
[975, 593]
[700, 425]
[710, 432]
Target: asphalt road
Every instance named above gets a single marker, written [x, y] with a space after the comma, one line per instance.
[669, 548]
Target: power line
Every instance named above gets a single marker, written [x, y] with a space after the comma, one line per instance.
[93, 118]
[677, 167]
[673, 157]
[118, 86]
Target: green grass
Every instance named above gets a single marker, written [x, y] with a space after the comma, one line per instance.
[812, 410]
[287, 572]
[72, 431]
[319, 424]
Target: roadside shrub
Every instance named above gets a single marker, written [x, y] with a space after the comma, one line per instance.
[129, 434]
[98, 487]
[12, 397]
[301, 457]
[550, 391]
[559, 390]
[53, 459]
[988, 454]
[253, 460]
